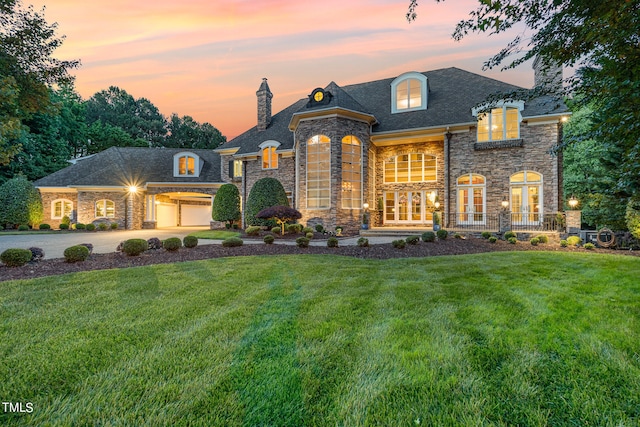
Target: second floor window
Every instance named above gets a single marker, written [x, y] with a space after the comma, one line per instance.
[499, 124]
[269, 158]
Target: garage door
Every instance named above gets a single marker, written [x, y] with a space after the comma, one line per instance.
[195, 215]
[166, 215]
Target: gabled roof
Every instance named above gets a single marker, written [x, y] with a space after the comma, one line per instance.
[123, 166]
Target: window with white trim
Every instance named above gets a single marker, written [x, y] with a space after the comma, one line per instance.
[351, 173]
[413, 167]
[409, 93]
[318, 172]
[471, 199]
[237, 168]
[499, 123]
[186, 164]
[61, 208]
[105, 208]
[269, 158]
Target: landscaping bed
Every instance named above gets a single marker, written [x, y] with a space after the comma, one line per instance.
[451, 246]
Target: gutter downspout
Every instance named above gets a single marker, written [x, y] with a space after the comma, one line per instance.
[447, 179]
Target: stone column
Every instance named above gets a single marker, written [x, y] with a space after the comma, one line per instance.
[129, 211]
[505, 221]
[574, 221]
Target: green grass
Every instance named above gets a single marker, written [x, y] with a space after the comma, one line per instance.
[503, 339]
[214, 234]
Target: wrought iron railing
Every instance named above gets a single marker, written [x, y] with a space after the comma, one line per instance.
[524, 221]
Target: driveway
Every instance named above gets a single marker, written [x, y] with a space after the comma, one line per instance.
[102, 241]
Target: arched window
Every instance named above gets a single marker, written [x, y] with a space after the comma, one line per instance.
[351, 173]
[471, 199]
[269, 155]
[105, 208]
[186, 164]
[499, 123]
[409, 93]
[319, 172]
[526, 198]
[61, 208]
[413, 167]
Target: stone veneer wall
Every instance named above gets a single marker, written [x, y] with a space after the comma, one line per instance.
[47, 198]
[253, 172]
[499, 163]
[335, 128]
[87, 206]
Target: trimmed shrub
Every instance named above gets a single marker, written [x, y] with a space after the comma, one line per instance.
[428, 236]
[90, 246]
[275, 230]
[307, 230]
[23, 227]
[20, 202]
[226, 204]
[332, 242]
[493, 239]
[302, 242]
[564, 243]
[190, 241]
[512, 240]
[254, 230]
[64, 226]
[265, 193]
[15, 257]
[294, 228]
[37, 254]
[268, 239]
[114, 226]
[442, 234]
[44, 227]
[154, 243]
[543, 238]
[281, 215]
[232, 242]
[509, 234]
[399, 244]
[363, 242]
[134, 247]
[486, 234]
[309, 236]
[66, 220]
[76, 253]
[319, 228]
[102, 226]
[90, 227]
[458, 236]
[574, 240]
[632, 217]
[172, 244]
[534, 241]
[413, 240]
[80, 226]
[589, 246]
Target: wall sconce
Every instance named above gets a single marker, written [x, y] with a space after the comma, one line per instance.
[366, 206]
[437, 205]
[133, 189]
[573, 202]
[505, 203]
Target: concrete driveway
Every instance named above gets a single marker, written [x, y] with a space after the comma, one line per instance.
[102, 241]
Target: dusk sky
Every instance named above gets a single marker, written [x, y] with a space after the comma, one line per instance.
[207, 58]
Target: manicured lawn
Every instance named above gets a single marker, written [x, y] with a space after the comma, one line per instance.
[214, 234]
[524, 338]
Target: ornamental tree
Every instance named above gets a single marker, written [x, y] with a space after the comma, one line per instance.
[20, 203]
[281, 214]
[266, 192]
[226, 204]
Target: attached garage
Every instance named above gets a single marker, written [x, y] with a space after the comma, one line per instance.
[195, 215]
[167, 215]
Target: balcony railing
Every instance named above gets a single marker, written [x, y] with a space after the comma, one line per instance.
[524, 221]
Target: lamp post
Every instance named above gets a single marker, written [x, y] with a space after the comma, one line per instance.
[436, 215]
[365, 216]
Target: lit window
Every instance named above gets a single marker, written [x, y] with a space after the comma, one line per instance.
[186, 165]
[318, 172]
[269, 158]
[237, 168]
[471, 199]
[414, 167]
[351, 173]
[105, 209]
[499, 124]
[61, 208]
[409, 93]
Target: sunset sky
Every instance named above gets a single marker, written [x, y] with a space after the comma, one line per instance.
[207, 58]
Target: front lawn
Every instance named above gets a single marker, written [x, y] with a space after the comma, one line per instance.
[518, 338]
[214, 234]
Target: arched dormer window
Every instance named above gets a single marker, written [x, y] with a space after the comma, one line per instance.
[409, 92]
[499, 123]
[269, 155]
[187, 164]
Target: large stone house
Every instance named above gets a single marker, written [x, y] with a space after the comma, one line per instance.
[401, 146]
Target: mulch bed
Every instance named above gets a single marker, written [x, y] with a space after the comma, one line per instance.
[451, 246]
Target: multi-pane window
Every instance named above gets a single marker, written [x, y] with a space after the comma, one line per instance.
[499, 124]
[471, 199]
[237, 168]
[186, 165]
[408, 94]
[269, 158]
[61, 208]
[318, 172]
[414, 167]
[105, 208]
[351, 172]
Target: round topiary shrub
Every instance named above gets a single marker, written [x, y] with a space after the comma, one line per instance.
[15, 257]
[302, 242]
[114, 226]
[265, 193]
[363, 242]
[90, 227]
[80, 226]
[442, 234]
[254, 230]
[534, 241]
[76, 253]
[154, 243]
[37, 254]
[172, 244]
[413, 240]
[309, 236]
[399, 244]
[589, 246]
[134, 247]
[23, 227]
[232, 242]
[428, 236]
[268, 239]
[543, 238]
[276, 230]
[90, 246]
[64, 226]
[493, 239]
[332, 242]
[486, 234]
[190, 241]
[509, 234]
[574, 240]
[102, 226]
[319, 228]
[564, 243]
[512, 240]
[307, 230]
[44, 227]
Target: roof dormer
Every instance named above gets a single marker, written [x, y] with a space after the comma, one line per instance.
[409, 92]
[187, 165]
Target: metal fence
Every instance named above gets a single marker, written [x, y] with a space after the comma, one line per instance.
[524, 222]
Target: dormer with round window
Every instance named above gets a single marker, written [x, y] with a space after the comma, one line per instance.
[409, 93]
[187, 165]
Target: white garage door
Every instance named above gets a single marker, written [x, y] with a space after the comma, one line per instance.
[195, 215]
[166, 215]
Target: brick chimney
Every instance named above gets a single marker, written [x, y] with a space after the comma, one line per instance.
[549, 75]
[264, 105]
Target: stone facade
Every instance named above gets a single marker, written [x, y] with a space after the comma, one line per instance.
[47, 200]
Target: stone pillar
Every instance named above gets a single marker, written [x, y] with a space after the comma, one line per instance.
[129, 211]
[505, 221]
[574, 221]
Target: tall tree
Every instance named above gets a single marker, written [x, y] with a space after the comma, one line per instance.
[184, 132]
[27, 70]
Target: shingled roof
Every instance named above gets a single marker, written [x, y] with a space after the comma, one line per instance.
[122, 166]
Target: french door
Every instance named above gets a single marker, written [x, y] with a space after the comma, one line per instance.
[408, 207]
[471, 205]
[526, 205]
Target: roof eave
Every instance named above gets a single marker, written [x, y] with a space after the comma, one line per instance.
[330, 112]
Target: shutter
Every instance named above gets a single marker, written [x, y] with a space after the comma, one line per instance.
[231, 169]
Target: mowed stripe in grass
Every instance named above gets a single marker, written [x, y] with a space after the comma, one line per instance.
[500, 339]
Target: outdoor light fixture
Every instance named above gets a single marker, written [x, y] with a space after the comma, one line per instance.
[365, 206]
[437, 205]
[573, 202]
[133, 189]
[505, 203]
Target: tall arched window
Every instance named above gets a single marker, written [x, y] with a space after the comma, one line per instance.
[526, 198]
[351, 172]
[105, 208]
[61, 208]
[318, 172]
[471, 199]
